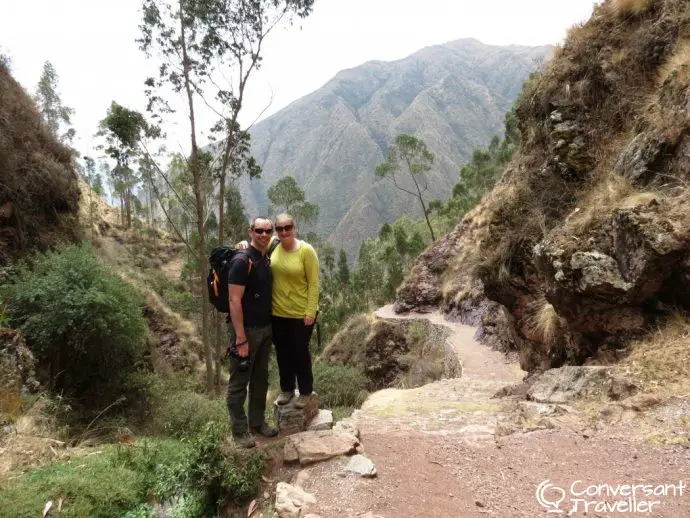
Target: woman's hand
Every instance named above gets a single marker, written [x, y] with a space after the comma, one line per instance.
[308, 321]
[243, 245]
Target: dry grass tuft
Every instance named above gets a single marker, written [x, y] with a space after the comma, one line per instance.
[543, 322]
[680, 57]
[600, 201]
[626, 7]
[660, 362]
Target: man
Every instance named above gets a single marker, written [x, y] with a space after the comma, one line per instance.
[249, 281]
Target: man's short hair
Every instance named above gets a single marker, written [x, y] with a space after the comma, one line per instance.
[259, 217]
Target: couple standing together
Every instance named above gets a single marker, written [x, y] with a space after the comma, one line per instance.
[273, 293]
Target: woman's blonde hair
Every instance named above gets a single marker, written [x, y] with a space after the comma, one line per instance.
[284, 216]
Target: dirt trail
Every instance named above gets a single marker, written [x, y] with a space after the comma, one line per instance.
[436, 454]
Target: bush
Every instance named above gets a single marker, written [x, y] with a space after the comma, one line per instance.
[184, 413]
[83, 323]
[230, 476]
[102, 484]
[339, 385]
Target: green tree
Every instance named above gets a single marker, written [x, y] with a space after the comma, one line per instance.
[123, 129]
[200, 41]
[284, 195]
[236, 221]
[479, 175]
[416, 162]
[54, 113]
[90, 175]
[343, 268]
[82, 322]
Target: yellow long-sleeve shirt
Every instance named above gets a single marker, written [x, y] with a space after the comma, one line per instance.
[295, 281]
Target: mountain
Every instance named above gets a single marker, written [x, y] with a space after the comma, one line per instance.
[583, 246]
[454, 96]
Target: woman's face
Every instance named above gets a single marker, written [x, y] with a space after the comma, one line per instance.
[285, 228]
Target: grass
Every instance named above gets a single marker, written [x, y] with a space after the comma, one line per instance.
[627, 7]
[426, 357]
[339, 386]
[660, 361]
[543, 322]
[104, 482]
[199, 474]
[680, 57]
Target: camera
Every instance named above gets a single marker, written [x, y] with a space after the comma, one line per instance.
[243, 362]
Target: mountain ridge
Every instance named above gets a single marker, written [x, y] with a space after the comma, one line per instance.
[454, 96]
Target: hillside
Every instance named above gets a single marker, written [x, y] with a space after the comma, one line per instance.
[454, 96]
[38, 184]
[584, 245]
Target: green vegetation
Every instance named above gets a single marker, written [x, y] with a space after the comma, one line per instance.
[286, 196]
[197, 475]
[339, 385]
[383, 261]
[83, 323]
[176, 410]
[411, 155]
[478, 176]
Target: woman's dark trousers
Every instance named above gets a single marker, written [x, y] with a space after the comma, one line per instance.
[291, 338]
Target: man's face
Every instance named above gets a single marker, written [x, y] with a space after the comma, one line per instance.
[261, 232]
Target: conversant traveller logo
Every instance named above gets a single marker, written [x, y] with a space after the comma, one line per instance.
[582, 497]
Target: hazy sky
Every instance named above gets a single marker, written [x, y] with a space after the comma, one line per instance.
[91, 44]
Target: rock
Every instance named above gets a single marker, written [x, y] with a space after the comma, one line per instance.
[568, 383]
[640, 402]
[293, 420]
[362, 466]
[346, 426]
[310, 447]
[641, 157]
[301, 478]
[292, 501]
[598, 273]
[323, 420]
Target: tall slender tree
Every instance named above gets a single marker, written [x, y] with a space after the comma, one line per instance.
[416, 162]
[123, 129]
[199, 41]
[54, 113]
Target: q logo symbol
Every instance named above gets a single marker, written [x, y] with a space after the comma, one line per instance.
[548, 501]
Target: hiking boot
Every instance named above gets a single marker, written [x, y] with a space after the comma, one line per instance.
[265, 430]
[244, 440]
[302, 400]
[285, 398]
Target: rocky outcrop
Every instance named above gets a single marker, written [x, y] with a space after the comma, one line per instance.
[585, 242]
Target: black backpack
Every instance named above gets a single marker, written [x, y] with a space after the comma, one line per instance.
[217, 280]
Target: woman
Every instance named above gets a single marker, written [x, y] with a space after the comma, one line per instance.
[295, 295]
[295, 269]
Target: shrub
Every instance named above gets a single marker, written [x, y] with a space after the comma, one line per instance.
[197, 476]
[230, 476]
[98, 485]
[339, 385]
[83, 323]
[185, 413]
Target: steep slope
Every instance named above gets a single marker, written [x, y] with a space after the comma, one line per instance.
[454, 96]
[585, 242]
[38, 184]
